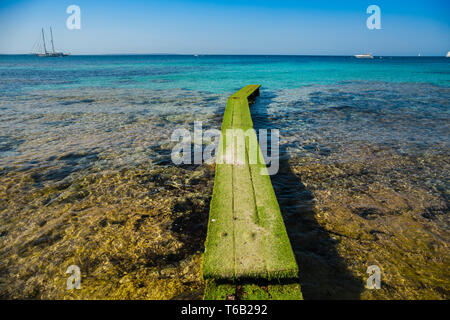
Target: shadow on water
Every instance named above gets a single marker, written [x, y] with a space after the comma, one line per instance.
[323, 273]
[64, 166]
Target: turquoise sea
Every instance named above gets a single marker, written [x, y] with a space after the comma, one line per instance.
[213, 73]
[296, 85]
[86, 175]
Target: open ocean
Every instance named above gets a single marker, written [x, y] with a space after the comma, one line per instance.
[86, 176]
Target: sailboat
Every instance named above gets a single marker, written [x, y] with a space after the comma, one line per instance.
[363, 56]
[52, 53]
[448, 54]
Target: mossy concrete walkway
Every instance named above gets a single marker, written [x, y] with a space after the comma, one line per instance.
[247, 239]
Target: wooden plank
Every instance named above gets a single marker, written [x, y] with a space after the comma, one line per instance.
[279, 257]
[278, 291]
[261, 290]
[228, 115]
[242, 118]
[252, 291]
[249, 251]
[217, 290]
[219, 259]
[247, 91]
[246, 233]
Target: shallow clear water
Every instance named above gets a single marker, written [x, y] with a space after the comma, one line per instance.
[85, 170]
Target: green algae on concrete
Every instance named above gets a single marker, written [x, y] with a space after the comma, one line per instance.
[279, 257]
[246, 236]
[257, 290]
[290, 291]
[217, 290]
[247, 92]
[218, 260]
[270, 291]
[249, 251]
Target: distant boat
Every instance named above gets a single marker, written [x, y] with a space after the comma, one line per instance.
[52, 53]
[448, 54]
[363, 56]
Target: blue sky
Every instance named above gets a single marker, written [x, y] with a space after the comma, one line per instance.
[230, 26]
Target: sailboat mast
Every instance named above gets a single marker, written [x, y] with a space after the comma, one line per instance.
[43, 39]
[51, 34]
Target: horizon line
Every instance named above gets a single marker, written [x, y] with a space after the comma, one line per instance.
[226, 54]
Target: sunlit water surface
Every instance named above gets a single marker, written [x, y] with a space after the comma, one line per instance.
[86, 176]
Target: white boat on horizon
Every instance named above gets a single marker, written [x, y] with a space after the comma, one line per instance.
[363, 56]
[448, 54]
